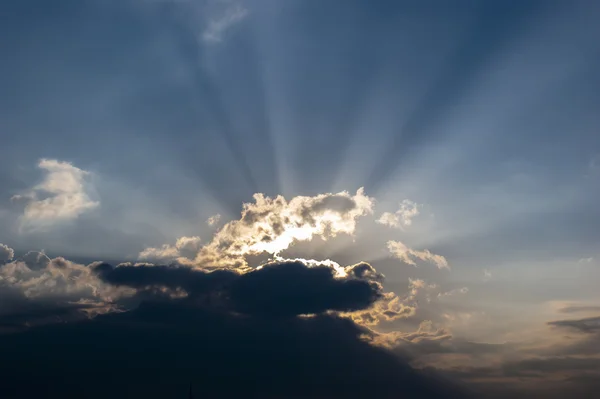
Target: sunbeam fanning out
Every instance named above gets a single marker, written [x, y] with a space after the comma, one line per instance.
[300, 199]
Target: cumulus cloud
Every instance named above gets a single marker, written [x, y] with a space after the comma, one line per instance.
[402, 217]
[271, 225]
[295, 307]
[6, 253]
[408, 255]
[63, 195]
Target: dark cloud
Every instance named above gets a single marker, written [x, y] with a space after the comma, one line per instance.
[542, 377]
[589, 325]
[158, 348]
[541, 367]
[17, 310]
[6, 253]
[279, 289]
[575, 309]
[194, 282]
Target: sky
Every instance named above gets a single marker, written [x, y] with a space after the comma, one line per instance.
[218, 190]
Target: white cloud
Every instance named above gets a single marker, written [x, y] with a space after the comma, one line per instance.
[213, 220]
[63, 195]
[6, 253]
[402, 217]
[408, 255]
[184, 250]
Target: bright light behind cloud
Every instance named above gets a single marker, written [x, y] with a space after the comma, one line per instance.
[271, 225]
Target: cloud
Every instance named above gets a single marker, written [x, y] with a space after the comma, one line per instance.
[402, 217]
[6, 253]
[223, 17]
[286, 289]
[393, 307]
[271, 225]
[413, 343]
[213, 220]
[282, 320]
[487, 275]
[40, 287]
[542, 366]
[579, 308]
[587, 325]
[184, 250]
[295, 320]
[277, 289]
[455, 291]
[586, 260]
[222, 354]
[408, 255]
[63, 195]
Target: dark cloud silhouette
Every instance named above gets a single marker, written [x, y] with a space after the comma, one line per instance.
[540, 367]
[590, 324]
[17, 310]
[226, 346]
[278, 289]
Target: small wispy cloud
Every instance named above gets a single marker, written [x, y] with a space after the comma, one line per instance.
[213, 220]
[586, 260]
[456, 291]
[208, 20]
[63, 195]
[408, 255]
[402, 217]
[487, 275]
[594, 163]
[228, 15]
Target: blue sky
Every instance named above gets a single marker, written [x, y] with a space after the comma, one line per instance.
[125, 125]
